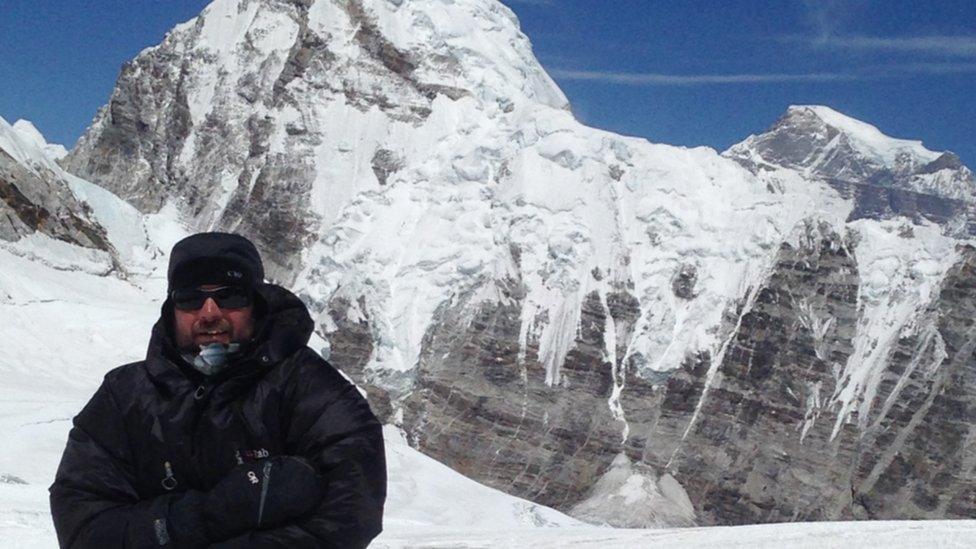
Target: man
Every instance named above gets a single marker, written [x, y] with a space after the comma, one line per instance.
[231, 433]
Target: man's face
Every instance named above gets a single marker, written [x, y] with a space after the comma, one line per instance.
[210, 323]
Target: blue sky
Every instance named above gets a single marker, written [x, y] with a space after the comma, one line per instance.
[685, 73]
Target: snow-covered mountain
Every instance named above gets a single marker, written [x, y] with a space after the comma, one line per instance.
[883, 177]
[62, 328]
[65, 320]
[636, 334]
[271, 117]
[821, 142]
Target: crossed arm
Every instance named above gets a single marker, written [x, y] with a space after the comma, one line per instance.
[94, 502]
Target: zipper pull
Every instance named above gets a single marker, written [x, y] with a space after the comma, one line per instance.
[201, 390]
[266, 473]
[170, 481]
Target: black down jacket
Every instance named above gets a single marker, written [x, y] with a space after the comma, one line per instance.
[157, 431]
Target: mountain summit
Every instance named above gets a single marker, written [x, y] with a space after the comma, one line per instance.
[824, 143]
[270, 116]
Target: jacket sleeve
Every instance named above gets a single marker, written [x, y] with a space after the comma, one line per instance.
[333, 427]
[93, 501]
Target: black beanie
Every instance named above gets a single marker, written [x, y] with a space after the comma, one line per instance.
[214, 258]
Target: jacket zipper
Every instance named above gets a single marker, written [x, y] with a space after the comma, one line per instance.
[264, 490]
[169, 481]
[197, 413]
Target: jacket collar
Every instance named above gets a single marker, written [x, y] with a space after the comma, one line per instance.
[282, 327]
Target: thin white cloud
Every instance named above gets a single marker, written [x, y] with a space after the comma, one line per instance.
[874, 72]
[657, 79]
[823, 16]
[829, 17]
[961, 46]
[930, 68]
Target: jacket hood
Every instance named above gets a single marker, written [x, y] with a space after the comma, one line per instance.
[282, 326]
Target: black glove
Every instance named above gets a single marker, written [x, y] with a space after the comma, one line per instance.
[262, 494]
[184, 527]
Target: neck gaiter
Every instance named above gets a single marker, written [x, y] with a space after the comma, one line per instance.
[212, 358]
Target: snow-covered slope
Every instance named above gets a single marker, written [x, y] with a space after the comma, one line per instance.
[30, 134]
[35, 201]
[62, 330]
[114, 237]
[824, 535]
[868, 140]
[65, 321]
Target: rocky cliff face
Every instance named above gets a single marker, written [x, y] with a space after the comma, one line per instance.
[35, 197]
[268, 117]
[635, 333]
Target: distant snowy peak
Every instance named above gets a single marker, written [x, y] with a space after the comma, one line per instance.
[32, 135]
[59, 220]
[865, 138]
[821, 142]
[35, 198]
[807, 135]
[25, 146]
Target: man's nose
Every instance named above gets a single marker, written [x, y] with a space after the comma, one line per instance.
[209, 310]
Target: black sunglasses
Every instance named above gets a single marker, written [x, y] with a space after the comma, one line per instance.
[226, 297]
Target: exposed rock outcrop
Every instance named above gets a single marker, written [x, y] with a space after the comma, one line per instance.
[35, 198]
